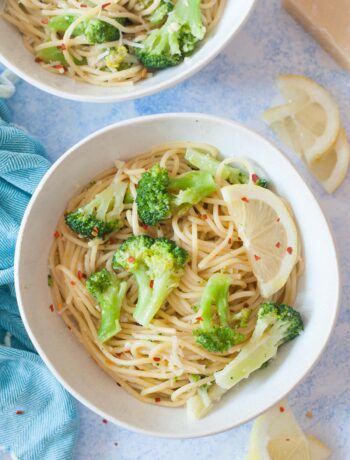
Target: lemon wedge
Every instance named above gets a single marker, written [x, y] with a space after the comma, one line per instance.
[268, 232]
[318, 451]
[276, 435]
[309, 122]
[331, 168]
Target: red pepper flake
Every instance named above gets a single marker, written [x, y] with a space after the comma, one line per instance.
[19, 412]
[157, 400]
[245, 199]
[199, 318]
[69, 328]
[230, 241]
[104, 420]
[278, 219]
[52, 307]
[83, 5]
[309, 414]
[204, 216]
[73, 283]
[278, 245]
[59, 67]
[80, 275]
[57, 234]
[62, 47]
[156, 359]
[144, 226]
[131, 259]
[38, 60]
[111, 240]
[290, 250]
[151, 284]
[282, 409]
[257, 258]
[45, 21]
[105, 5]
[255, 177]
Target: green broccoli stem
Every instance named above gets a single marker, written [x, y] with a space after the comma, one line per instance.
[214, 334]
[199, 406]
[254, 355]
[128, 198]
[206, 162]
[193, 187]
[62, 22]
[156, 292]
[145, 293]
[215, 293]
[53, 54]
[276, 324]
[111, 303]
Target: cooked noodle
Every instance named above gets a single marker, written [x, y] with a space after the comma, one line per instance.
[155, 363]
[85, 62]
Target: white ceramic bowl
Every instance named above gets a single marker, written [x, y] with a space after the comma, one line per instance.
[317, 298]
[20, 61]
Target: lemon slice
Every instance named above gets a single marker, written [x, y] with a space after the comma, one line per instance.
[268, 232]
[318, 451]
[309, 122]
[331, 168]
[276, 435]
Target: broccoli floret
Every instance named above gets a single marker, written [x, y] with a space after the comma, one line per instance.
[205, 162]
[159, 195]
[115, 60]
[215, 333]
[276, 325]
[95, 30]
[242, 317]
[161, 12]
[101, 215]
[157, 265]
[261, 182]
[109, 292]
[168, 45]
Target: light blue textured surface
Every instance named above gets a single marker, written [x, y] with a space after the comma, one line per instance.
[29, 394]
[238, 84]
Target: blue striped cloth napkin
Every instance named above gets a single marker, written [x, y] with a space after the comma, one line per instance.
[38, 419]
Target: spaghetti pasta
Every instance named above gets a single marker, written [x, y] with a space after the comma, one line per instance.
[108, 63]
[156, 363]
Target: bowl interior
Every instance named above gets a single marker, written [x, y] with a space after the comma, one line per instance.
[14, 55]
[317, 295]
